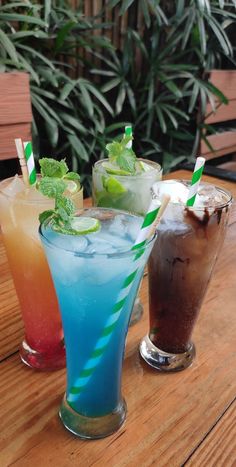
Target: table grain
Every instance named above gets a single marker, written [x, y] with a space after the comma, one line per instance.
[186, 418]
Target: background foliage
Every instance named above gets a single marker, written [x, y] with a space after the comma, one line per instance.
[85, 86]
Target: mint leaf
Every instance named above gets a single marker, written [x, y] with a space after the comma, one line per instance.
[121, 155]
[52, 168]
[65, 208]
[126, 160]
[46, 216]
[114, 149]
[51, 187]
[72, 176]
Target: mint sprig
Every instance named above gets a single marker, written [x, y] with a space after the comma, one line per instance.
[119, 154]
[52, 184]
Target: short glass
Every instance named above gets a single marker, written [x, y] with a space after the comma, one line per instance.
[179, 270]
[134, 197]
[96, 292]
[43, 345]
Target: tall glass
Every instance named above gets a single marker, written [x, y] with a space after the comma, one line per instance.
[89, 274]
[131, 193]
[179, 271]
[43, 345]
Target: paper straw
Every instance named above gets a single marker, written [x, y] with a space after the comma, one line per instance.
[22, 160]
[128, 132]
[148, 226]
[196, 178]
[29, 156]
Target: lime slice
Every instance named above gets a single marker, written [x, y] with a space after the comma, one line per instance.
[114, 169]
[80, 226]
[113, 186]
[71, 187]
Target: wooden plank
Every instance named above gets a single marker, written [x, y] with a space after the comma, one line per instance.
[225, 80]
[8, 133]
[223, 113]
[222, 143]
[168, 415]
[219, 448]
[15, 104]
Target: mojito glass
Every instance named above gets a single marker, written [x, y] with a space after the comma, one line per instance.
[179, 271]
[130, 193]
[90, 275]
[43, 345]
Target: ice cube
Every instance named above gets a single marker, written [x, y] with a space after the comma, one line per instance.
[14, 187]
[73, 243]
[209, 195]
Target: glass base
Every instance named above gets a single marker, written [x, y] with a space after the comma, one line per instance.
[164, 361]
[46, 361]
[92, 427]
[137, 312]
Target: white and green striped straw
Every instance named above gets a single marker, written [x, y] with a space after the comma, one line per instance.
[196, 178]
[149, 224]
[29, 156]
[129, 132]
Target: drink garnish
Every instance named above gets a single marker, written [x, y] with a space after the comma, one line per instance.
[122, 159]
[113, 186]
[58, 183]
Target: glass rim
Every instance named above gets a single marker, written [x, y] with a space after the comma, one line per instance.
[82, 254]
[40, 200]
[155, 167]
[202, 183]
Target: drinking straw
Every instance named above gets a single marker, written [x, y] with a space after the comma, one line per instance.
[196, 178]
[128, 132]
[22, 160]
[29, 156]
[151, 219]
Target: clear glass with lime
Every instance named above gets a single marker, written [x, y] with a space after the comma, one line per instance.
[123, 181]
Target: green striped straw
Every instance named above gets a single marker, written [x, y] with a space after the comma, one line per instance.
[29, 156]
[129, 132]
[196, 178]
[148, 227]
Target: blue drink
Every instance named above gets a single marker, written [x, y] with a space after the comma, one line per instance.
[89, 272]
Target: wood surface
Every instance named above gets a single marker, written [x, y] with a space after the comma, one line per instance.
[223, 142]
[183, 418]
[15, 112]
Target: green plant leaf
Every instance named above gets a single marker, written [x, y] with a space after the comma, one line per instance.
[37, 54]
[146, 13]
[63, 33]
[8, 46]
[78, 147]
[100, 97]
[110, 84]
[125, 5]
[74, 122]
[85, 99]
[22, 18]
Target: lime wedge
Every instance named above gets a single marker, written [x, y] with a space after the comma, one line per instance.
[114, 169]
[71, 187]
[80, 226]
[113, 186]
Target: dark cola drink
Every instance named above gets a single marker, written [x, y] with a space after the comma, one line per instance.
[179, 271]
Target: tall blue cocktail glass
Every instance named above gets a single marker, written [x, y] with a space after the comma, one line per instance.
[96, 277]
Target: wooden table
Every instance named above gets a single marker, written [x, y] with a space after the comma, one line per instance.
[186, 418]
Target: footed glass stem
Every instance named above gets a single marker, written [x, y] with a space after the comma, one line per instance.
[164, 361]
[47, 361]
[92, 427]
